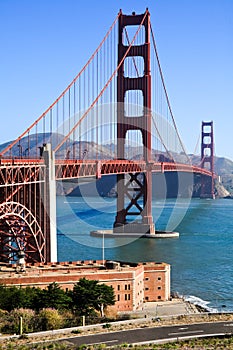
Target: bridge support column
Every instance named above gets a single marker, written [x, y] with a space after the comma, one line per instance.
[134, 214]
[207, 159]
[50, 205]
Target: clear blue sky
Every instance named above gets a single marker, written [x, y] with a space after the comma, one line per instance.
[44, 44]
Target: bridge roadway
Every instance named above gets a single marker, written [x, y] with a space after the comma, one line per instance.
[21, 171]
[156, 334]
[82, 168]
[72, 168]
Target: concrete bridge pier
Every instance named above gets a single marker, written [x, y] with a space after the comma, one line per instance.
[49, 199]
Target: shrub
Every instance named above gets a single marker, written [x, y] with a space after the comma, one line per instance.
[11, 321]
[68, 319]
[76, 331]
[107, 325]
[49, 319]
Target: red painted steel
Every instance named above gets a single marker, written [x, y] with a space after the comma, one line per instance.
[22, 233]
[68, 169]
[139, 186]
[23, 216]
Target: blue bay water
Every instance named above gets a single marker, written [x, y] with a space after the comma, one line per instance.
[201, 258]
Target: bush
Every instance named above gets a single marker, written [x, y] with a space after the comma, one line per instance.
[11, 321]
[68, 319]
[107, 325]
[49, 319]
[76, 331]
[23, 336]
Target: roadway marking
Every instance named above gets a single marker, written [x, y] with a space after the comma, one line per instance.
[181, 333]
[104, 342]
[183, 328]
[228, 325]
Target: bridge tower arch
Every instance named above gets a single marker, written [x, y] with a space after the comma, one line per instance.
[28, 209]
[134, 191]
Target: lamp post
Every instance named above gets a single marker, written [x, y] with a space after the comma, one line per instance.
[103, 257]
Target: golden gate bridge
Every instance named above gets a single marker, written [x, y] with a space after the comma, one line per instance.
[113, 118]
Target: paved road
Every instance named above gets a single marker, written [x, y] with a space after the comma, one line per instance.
[155, 334]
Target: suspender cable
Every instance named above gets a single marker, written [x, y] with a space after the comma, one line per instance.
[105, 86]
[166, 94]
[64, 92]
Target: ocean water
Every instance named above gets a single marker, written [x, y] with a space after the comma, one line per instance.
[201, 258]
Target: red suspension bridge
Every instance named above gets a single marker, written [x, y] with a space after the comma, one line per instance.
[113, 118]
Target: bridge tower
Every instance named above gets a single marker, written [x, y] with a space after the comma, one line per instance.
[207, 159]
[134, 201]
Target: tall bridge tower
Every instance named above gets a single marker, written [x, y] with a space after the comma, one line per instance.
[135, 216]
[207, 159]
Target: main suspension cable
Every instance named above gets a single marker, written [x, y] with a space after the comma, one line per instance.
[64, 92]
[166, 94]
[104, 88]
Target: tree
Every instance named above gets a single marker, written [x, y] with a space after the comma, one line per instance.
[83, 296]
[11, 297]
[36, 298]
[32, 297]
[105, 296]
[89, 296]
[55, 297]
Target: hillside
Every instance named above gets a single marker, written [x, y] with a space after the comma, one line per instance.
[223, 167]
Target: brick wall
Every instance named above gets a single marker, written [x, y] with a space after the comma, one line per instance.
[132, 284]
[157, 282]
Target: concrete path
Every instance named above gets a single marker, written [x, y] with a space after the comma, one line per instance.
[175, 307]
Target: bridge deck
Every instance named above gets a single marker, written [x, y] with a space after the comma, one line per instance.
[69, 169]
